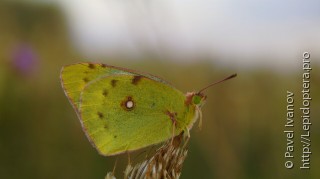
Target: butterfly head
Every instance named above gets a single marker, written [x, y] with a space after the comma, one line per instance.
[197, 99]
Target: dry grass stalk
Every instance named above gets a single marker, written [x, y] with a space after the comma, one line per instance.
[166, 163]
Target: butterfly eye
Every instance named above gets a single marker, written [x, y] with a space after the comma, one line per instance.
[196, 99]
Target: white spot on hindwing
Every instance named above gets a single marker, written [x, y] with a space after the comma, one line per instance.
[129, 104]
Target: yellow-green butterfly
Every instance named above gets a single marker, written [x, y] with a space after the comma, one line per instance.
[123, 110]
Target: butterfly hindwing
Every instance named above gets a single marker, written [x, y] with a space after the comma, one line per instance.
[112, 127]
[122, 110]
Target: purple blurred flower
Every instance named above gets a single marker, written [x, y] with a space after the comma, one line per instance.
[24, 59]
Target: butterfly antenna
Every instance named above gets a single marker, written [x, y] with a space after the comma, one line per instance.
[229, 77]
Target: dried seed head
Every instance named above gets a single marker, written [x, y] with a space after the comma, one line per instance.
[165, 163]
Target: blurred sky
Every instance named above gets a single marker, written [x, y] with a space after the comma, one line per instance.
[246, 33]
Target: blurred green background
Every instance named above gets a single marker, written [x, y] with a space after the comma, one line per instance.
[41, 137]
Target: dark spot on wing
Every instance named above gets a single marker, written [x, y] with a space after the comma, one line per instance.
[114, 83]
[85, 79]
[100, 114]
[136, 79]
[91, 66]
[115, 136]
[105, 93]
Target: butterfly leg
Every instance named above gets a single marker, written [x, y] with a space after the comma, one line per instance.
[115, 165]
[200, 117]
[172, 116]
[173, 131]
[186, 139]
[129, 158]
[187, 132]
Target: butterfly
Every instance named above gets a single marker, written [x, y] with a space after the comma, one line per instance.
[122, 110]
